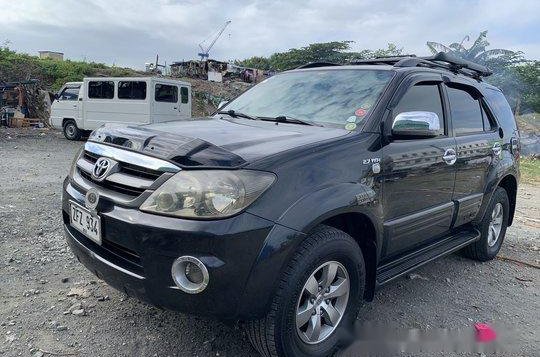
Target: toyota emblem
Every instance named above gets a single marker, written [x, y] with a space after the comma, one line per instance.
[101, 168]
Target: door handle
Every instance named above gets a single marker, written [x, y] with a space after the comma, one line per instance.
[497, 149]
[450, 156]
[175, 107]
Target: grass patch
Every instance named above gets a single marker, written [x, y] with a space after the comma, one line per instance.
[530, 169]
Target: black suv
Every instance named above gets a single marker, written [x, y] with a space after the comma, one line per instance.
[299, 198]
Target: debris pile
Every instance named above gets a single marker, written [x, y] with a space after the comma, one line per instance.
[207, 95]
[24, 103]
[218, 71]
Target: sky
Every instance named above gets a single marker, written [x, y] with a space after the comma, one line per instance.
[132, 32]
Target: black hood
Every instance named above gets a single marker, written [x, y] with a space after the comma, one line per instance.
[213, 142]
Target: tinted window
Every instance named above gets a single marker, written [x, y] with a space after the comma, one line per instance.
[487, 122]
[184, 94]
[166, 93]
[422, 97]
[465, 111]
[329, 96]
[500, 107]
[132, 90]
[69, 93]
[101, 90]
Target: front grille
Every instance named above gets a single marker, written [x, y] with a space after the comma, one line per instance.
[123, 189]
[90, 157]
[140, 171]
[130, 179]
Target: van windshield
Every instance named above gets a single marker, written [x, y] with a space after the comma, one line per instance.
[328, 97]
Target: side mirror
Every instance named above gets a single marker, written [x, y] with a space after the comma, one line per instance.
[416, 124]
[56, 96]
[222, 104]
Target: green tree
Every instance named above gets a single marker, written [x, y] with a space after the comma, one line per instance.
[255, 62]
[334, 52]
[528, 75]
[478, 51]
[500, 61]
[52, 74]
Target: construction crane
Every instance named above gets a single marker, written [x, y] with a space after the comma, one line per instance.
[204, 51]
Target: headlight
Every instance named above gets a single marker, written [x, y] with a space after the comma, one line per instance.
[208, 193]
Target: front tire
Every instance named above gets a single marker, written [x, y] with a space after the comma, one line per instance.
[492, 228]
[317, 299]
[71, 131]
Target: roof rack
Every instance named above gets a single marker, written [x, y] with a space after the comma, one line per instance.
[440, 60]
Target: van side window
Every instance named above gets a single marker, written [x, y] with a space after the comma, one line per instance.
[466, 112]
[132, 90]
[101, 89]
[166, 93]
[69, 93]
[184, 94]
[422, 97]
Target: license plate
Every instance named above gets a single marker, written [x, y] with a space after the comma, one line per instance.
[85, 222]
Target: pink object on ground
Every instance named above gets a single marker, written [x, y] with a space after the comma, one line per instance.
[484, 333]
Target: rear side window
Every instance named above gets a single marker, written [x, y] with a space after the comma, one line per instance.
[184, 94]
[69, 93]
[132, 90]
[487, 121]
[101, 90]
[500, 107]
[166, 93]
[422, 97]
[465, 111]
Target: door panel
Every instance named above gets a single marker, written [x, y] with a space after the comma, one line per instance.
[417, 191]
[475, 157]
[66, 106]
[477, 143]
[166, 102]
[418, 183]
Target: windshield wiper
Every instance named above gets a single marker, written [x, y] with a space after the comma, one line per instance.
[235, 114]
[287, 119]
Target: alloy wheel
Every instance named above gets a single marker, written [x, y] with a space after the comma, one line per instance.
[322, 302]
[495, 224]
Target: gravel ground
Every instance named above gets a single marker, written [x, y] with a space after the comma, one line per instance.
[51, 305]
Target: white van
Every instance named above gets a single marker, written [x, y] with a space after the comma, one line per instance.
[81, 106]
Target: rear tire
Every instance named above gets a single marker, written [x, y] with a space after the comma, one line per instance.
[283, 331]
[492, 228]
[71, 131]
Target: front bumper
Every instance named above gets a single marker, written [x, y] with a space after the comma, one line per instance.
[139, 248]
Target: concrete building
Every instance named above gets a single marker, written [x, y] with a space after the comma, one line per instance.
[51, 54]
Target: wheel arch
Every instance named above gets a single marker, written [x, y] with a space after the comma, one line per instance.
[350, 207]
[361, 228]
[66, 120]
[509, 183]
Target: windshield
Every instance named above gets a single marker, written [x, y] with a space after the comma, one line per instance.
[328, 97]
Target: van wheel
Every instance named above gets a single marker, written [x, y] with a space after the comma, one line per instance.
[492, 228]
[317, 299]
[71, 132]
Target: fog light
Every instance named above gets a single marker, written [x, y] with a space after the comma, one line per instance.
[190, 274]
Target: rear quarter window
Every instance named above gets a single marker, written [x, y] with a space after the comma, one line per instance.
[500, 108]
[166, 93]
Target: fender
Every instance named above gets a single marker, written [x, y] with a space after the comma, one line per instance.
[503, 169]
[293, 226]
[312, 209]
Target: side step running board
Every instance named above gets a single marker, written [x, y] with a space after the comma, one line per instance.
[414, 260]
